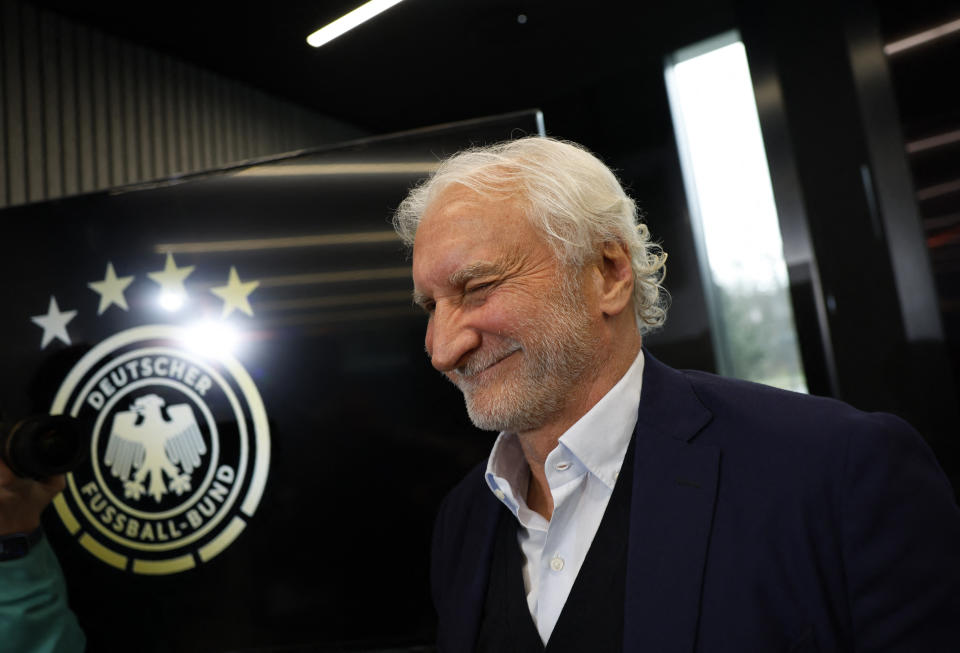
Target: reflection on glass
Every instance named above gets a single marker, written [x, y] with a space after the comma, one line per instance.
[211, 337]
[172, 301]
[733, 212]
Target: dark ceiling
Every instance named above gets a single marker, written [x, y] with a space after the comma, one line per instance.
[422, 61]
[594, 68]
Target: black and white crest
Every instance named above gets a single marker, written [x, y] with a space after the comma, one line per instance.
[178, 456]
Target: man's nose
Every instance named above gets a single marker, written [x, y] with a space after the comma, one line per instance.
[449, 340]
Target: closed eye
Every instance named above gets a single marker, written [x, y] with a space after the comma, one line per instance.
[480, 287]
[427, 304]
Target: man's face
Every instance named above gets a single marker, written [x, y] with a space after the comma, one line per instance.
[508, 322]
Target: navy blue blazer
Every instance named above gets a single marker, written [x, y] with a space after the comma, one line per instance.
[761, 520]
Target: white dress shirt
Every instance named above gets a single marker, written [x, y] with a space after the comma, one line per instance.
[581, 472]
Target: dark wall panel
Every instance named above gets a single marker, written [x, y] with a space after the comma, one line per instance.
[81, 110]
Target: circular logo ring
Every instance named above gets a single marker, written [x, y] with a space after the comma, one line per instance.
[179, 451]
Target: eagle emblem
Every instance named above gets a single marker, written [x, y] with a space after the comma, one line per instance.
[156, 440]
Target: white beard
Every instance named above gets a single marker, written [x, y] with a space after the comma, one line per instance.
[555, 349]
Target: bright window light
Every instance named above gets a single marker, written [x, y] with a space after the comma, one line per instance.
[733, 212]
[347, 22]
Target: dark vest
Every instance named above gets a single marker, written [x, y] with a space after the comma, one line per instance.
[592, 617]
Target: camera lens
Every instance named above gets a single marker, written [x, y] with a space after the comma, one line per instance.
[41, 446]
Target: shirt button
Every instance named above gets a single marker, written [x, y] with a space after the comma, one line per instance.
[556, 563]
[499, 494]
[562, 467]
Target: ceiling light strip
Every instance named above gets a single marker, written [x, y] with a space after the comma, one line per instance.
[940, 189]
[922, 37]
[347, 22]
[933, 141]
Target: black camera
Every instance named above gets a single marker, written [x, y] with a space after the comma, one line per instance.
[41, 446]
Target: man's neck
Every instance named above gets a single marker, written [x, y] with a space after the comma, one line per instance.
[538, 443]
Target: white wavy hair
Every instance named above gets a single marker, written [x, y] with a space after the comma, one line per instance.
[570, 195]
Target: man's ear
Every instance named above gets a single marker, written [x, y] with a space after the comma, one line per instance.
[616, 278]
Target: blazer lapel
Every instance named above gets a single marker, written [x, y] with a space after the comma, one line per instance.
[463, 604]
[671, 510]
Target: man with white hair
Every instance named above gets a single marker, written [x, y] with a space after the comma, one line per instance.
[627, 506]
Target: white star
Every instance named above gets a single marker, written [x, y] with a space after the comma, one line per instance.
[111, 290]
[54, 323]
[234, 294]
[171, 278]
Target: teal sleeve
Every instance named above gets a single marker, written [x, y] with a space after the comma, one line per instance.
[34, 615]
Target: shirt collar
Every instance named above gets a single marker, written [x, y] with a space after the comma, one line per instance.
[599, 440]
[507, 466]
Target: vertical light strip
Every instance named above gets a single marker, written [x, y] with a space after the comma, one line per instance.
[733, 213]
[347, 22]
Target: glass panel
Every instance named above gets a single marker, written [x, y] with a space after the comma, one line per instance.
[733, 212]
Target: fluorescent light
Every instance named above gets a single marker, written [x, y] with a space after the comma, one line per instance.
[940, 189]
[347, 22]
[922, 37]
[933, 141]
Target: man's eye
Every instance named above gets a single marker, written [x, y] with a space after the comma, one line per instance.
[480, 287]
[425, 305]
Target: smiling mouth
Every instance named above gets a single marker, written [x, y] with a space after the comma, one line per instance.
[500, 360]
[474, 368]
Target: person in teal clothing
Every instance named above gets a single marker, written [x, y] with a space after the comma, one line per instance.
[34, 615]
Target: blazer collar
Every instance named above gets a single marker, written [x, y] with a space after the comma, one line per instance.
[671, 513]
[668, 405]
[462, 608]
